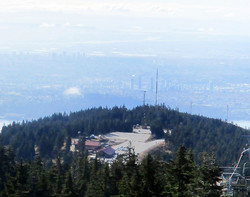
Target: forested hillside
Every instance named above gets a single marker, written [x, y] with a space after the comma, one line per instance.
[48, 135]
[125, 177]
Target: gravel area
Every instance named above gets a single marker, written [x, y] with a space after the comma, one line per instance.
[139, 140]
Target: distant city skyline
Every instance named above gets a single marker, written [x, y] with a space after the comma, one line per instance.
[69, 54]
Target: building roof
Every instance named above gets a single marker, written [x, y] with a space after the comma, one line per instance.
[74, 141]
[109, 151]
[92, 143]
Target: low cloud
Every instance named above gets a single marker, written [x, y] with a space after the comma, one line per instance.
[13, 93]
[47, 25]
[73, 91]
[66, 24]
[206, 30]
[229, 15]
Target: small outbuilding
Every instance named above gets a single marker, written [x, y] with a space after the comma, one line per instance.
[92, 145]
[107, 152]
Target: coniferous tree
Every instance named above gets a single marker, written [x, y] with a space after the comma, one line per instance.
[209, 175]
[48, 135]
[83, 175]
[193, 171]
[125, 177]
[116, 174]
[60, 175]
[22, 175]
[96, 186]
[180, 175]
[136, 184]
[36, 180]
[156, 129]
[68, 187]
[7, 165]
[124, 186]
[151, 185]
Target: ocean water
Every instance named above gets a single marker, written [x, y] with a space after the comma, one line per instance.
[242, 123]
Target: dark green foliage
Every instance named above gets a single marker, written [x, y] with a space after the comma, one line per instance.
[97, 184]
[124, 178]
[209, 175]
[151, 178]
[181, 174]
[59, 172]
[135, 185]
[68, 189]
[48, 135]
[156, 129]
[7, 165]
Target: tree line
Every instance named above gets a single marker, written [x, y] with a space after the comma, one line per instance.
[51, 136]
[125, 177]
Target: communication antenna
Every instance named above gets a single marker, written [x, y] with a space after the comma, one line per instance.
[144, 97]
[191, 107]
[156, 87]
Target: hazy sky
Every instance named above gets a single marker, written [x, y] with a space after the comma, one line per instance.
[218, 29]
[53, 25]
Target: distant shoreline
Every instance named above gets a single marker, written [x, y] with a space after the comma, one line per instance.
[245, 124]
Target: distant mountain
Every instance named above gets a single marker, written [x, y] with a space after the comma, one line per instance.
[48, 135]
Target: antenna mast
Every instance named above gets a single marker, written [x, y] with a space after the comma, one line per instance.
[144, 97]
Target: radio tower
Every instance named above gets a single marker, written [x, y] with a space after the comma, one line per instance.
[156, 87]
[144, 97]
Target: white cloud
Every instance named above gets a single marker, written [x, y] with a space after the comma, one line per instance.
[148, 8]
[230, 15]
[93, 22]
[206, 30]
[46, 87]
[47, 25]
[73, 91]
[78, 25]
[211, 29]
[67, 24]
[13, 93]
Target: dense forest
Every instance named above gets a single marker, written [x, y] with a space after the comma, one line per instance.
[48, 135]
[180, 177]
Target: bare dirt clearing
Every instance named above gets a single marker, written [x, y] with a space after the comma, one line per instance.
[138, 139]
